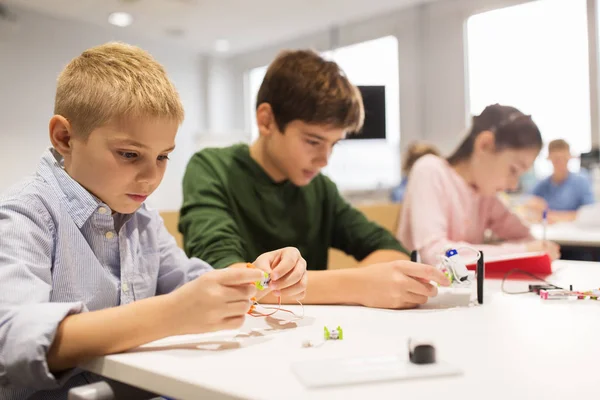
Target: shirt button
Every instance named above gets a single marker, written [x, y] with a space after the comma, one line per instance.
[125, 287]
[102, 210]
[109, 235]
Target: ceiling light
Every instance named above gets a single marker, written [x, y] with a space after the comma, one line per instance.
[121, 19]
[222, 46]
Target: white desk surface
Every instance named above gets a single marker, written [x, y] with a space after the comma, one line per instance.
[568, 234]
[511, 347]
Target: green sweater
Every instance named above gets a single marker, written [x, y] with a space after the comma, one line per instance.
[233, 212]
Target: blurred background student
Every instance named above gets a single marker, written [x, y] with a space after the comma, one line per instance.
[413, 153]
[564, 192]
[453, 202]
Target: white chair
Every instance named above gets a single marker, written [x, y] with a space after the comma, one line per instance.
[109, 390]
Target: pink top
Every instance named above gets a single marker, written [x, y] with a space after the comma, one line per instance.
[442, 210]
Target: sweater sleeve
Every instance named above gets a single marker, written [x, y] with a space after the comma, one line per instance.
[210, 233]
[354, 234]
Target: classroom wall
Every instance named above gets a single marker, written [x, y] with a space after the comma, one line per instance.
[433, 93]
[432, 56]
[30, 61]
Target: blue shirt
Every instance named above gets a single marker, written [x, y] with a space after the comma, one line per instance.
[397, 195]
[63, 252]
[569, 195]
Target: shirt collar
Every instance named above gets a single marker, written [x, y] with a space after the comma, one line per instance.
[79, 203]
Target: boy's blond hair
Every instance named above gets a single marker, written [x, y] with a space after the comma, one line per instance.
[114, 82]
[558, 144]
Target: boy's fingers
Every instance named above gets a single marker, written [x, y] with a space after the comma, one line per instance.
[420, 288]
[292, 278]
[239, 276]
[240, 292]
[237, 308]
[290, 256]
[294, 290]
[414, 298]
[421, 279]
[233, 322]
[424, 271]
[263, 262]
[406, 306]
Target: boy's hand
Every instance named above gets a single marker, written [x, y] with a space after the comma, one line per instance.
[288, 272]
[214, 301]
[399, 284]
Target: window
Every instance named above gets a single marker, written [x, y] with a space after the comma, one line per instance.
[374, 62]
[254, 80]
[534, 56]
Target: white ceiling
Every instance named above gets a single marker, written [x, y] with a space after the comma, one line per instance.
[246, 24]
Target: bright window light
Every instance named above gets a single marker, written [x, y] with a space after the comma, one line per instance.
[534, 57]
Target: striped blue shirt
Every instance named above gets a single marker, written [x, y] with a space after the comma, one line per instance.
[62, 251]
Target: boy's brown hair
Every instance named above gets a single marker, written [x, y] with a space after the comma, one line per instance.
[558, 144]
[301, 85]
[113, 82]
[414, 152]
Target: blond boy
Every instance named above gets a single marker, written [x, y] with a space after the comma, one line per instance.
[77, 240]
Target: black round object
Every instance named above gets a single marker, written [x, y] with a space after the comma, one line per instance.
[423, 354]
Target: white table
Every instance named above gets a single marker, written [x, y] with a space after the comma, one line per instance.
[568, 234]
[511, 347]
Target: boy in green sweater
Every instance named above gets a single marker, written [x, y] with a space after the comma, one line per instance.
[242, 201]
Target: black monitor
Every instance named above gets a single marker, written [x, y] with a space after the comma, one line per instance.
[374, 103]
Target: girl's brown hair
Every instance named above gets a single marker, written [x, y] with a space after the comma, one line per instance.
[512, 130]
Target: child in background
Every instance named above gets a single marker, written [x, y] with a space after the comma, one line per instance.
[85, 268]
[413, 153]
[564, 192]
[453, 202]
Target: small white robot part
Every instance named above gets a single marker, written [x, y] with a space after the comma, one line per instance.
[454, 267]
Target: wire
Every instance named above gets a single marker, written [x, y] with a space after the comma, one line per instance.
[288, 311]
[255, 313]
[252, 311]
[515, 270]
[471, 249]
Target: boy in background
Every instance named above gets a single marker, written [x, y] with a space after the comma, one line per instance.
[243, 200]
[564, 192]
